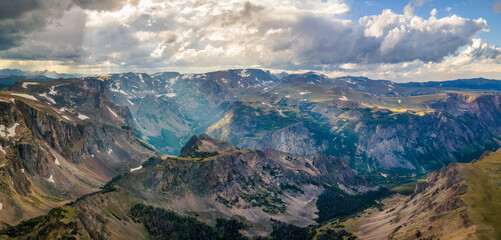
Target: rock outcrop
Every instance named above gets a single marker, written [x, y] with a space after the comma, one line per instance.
[251, 186]
[60, 140]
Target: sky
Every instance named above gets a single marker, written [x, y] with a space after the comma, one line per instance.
[417, 40]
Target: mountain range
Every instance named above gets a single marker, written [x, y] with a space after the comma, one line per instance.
[376, 125]
[245, 153]
[45, 73]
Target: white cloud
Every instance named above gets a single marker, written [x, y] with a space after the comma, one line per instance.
[478, 59]
[409, 10]
[433, 12]
[197, 35]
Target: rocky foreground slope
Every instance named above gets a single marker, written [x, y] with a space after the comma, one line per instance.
[213, 183]
[60, 140]
[460, 201]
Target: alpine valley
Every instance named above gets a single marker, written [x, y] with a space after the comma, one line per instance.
[247, 154]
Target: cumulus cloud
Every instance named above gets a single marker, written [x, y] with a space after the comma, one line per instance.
[284, 34]
[478, 59]
[478, 51]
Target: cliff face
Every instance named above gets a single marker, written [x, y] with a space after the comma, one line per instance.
[60, 140]
[169, 108]
[380, 126]
[248, 185]
[456, 128]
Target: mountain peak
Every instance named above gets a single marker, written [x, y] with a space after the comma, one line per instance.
[205, 145]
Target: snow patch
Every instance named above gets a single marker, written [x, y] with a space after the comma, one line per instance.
[343, 98]
[172, 81]
[51, 100]
[131, 103]
[188, 76]
[1, 206]
[52, 90]
[56, 160]
[244, 73]
[116, 88]
[22, 170]
[140, 75]
[267, 104]
[110, 151]
[135, 169]
[8, 132]
[399, 101]
[303, 93]
[51, 179]
[65, 117]
[26, 84]
[114, 114]
[82, 117]
[169, 95]
[288, 96]
[27, 96]
[2, 150]
[281, 113]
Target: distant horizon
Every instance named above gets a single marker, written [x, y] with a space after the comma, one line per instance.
[275, 73]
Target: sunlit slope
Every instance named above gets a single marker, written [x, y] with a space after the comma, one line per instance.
[461, 201]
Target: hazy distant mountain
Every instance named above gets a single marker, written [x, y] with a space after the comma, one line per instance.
[46, 73]
[9, 77]
[9, 80]
[474, 84]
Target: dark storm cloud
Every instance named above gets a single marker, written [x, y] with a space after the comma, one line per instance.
[107, 5]
[20, 18]
[61, 40]
[13, 9]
